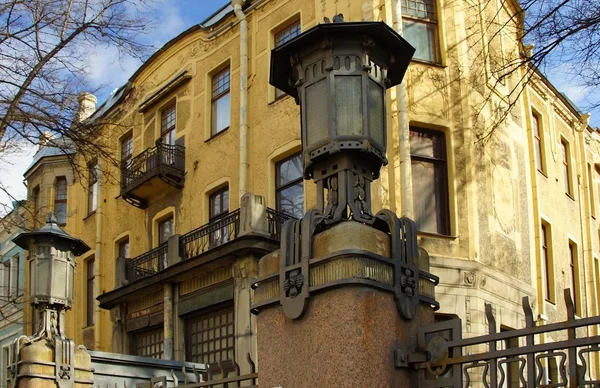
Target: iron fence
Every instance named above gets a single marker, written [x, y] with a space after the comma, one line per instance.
[512, 358]
[222, 374]
[211, 235]
[275, 220]
[150, 162]
[147, 264]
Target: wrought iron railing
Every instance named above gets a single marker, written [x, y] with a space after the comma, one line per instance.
[151, 161]
[275, 220]
[512, 358]
[211, 235]
[147, 264]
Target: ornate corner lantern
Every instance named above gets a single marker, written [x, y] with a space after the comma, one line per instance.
[52, 254]
[338, 73]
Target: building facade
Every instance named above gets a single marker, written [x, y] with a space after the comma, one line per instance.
[12, 276]
[505, 174]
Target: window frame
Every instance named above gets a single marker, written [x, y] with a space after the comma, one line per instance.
[89, 291]
[168, 123]
[59, 200]
[287, 26]
[567, 172]
[214, 81]
[151, 331]
[547, 258]
[92, 187]
[538, 142]
[575, 275]
[442, 162]
[436, 51]
[281, 187]
[126, 144]
[218, 193]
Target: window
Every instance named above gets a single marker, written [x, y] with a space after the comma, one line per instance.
[284, 35]
[210, 336]
[566, 156]
[92, 188]
[35, 195]
[90, 292]
[220, 101]
[167, 125]
[537, 142]
[289, 190]
[148, 343]
[219, 207]
[420, 28]
[574, 264]
[10, 279]
[124, 249]
[430, 181]
[546, 256]
[60, 200]
[165, 230]
[591, 176]
[126, 150]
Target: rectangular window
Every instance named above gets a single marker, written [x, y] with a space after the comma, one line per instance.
[124, 249]
[126, 150]
[219, 207]
[210, 336]
[420, 28]
[167, 125]
[36, 205]
[430, 180]
[566, 157]
[548, 262]
[165, 230]
[537, 142]
[92, 187]
[286, 34]
[90, 292]
[289, 188]
[148, 343]
[574, 264]
[220, 110]
[60, 200]
[591, 189]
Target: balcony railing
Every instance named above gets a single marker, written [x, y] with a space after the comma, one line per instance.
[147, 264]
[211, 235]
[163, 161]
[200, 240]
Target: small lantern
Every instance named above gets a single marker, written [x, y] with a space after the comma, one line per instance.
[338, 73]
[52, 263]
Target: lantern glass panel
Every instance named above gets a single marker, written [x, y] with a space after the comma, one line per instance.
[348, 105]
[376, 112]
[59, 278]
[316, 113]
[42, 276]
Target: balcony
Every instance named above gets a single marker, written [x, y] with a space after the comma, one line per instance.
[152, 172]
[201, 240]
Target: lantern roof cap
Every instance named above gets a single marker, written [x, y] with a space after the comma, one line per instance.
[54, 231]
[399, 50]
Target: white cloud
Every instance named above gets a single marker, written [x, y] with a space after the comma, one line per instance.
[11, 174]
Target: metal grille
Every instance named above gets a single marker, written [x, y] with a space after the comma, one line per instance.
[275, 220]
[147, 264]
[210, 337]
[148, 343]
[211, 235]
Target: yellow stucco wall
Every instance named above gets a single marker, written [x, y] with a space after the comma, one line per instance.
[496, 196]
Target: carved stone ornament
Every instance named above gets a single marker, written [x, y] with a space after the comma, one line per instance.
[469, 278]
[293, 284]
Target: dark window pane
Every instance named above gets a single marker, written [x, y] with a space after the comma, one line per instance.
[289, 170]
[210, 336]
[291, 200]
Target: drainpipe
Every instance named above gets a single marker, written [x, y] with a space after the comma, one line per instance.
[168, 321]
[237, 8]
[97, 258]
[406, 195]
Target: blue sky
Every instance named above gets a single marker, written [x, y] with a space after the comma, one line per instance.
[107, 71]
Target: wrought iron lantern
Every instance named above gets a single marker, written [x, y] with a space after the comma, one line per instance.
[339, 72]
[52, 263]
